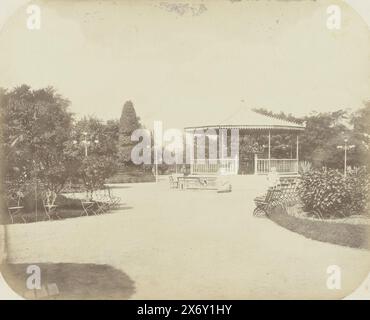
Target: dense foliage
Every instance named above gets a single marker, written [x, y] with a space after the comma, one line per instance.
[129, 122]
[328, 193]
[324, 132]
[99, 141]
[35, 127]
[42, 146]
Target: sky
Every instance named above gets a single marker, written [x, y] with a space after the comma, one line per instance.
[200, 62]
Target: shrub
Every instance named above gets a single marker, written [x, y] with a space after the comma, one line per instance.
[304, 167]
[358, 186]
[328, 193]
[95, 169]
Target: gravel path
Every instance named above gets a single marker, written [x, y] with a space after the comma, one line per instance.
[194, 245]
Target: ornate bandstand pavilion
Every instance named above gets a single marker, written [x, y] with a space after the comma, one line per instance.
[256, 132]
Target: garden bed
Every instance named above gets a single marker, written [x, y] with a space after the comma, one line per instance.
[67, 208]
[340, 233]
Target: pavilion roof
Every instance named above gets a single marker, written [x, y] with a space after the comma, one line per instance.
[245, 118]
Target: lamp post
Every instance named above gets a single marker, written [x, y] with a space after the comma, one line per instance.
[156, 163]
[86, 142]
[346, 147]
[36, 182]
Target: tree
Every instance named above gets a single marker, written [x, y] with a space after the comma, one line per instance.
[282, 144]
[129, 122]
[323, 133]
[36, 126]
[101, 160]
[361, 135]
[318, 142]
[282, 115]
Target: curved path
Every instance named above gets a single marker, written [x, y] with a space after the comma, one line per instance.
[194, 245]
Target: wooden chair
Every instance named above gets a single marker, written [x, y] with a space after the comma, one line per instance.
[288, 191]
[50, 208]
[15, 208]
[174, 183]
[114, 200]
[283, 194]
[264, 203]
[89, 205]
[103, 201]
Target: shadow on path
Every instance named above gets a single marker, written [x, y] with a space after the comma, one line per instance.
[62, 281]
[63, 214]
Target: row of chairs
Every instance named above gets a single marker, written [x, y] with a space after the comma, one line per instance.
[99, 202]
[284, 193]
[16, 209]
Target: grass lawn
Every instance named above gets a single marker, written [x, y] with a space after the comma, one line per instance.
[341, 233]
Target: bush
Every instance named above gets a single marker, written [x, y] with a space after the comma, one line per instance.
[328, 193]
[95, 170]
[304, 167]
[358, 186]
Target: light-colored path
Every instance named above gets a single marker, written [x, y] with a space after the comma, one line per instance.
[194, 244]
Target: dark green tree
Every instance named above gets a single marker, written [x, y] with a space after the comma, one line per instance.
[282, 144]
[360, 136]
[100, 141]
[324, 132]
[129, 122]
[35, 126]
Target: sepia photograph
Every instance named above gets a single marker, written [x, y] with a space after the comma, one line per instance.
[185, 150]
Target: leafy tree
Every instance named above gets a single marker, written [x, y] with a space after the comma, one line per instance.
[282, 144]
[360, 136]
[324, 132]
[101, 137]
[100, 140]
[318, 142]
[94, 171]
[282, 115]
[111, 130]
[36, 126]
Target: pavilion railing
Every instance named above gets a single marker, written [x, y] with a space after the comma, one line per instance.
[285, 166]
[212, 166]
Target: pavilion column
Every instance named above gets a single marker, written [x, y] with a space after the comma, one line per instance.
[269, 150]
[221, 145]
[297, 153]
[255, 163]
[189, 147]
